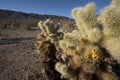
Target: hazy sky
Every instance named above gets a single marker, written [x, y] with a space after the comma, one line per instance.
[54, 7]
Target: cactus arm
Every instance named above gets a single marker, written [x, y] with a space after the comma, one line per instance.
[42, 27]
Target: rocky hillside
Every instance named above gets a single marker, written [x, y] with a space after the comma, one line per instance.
[21, 15]
[15, 20]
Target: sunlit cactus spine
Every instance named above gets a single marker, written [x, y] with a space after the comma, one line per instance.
[47, 46]
[66, 71]
[110, 19]
[70, 40]
[89, 54]
[86, 21]
[49, 29]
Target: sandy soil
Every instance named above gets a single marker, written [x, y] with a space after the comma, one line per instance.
[18, 59]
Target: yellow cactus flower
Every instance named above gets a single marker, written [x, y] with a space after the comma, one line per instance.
[86, 56]
[95, 57]
[94, 51]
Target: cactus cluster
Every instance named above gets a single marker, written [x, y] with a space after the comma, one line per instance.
[89, 53]
[110, 19]
[47, 46]
[49, 29]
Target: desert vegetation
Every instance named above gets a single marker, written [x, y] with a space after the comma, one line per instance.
[49, 47]
[90, 52]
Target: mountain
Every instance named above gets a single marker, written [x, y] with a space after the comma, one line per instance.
[21, 15]
[16, 20]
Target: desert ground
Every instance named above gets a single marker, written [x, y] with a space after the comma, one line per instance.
[18, 58]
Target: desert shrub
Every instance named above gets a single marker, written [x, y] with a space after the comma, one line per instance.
[90, 52]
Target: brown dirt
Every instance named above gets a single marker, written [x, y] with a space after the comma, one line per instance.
[18, 58]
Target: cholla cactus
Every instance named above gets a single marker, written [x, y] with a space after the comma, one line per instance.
[71, 40]
[66, 71]
[50, 32]
[115, 2]
[49, 29]
[89, 53]
[110, 19]
[91, 47]
[86, 20]
[46, 45]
